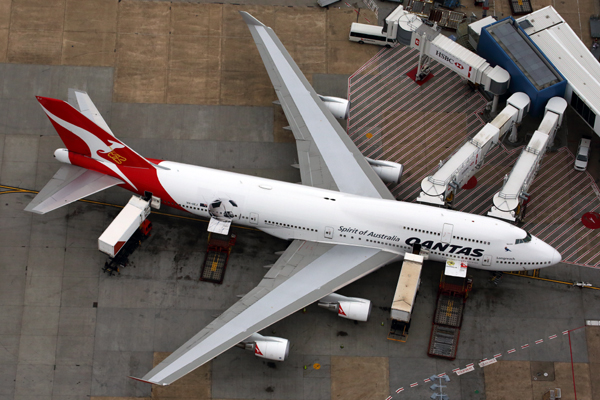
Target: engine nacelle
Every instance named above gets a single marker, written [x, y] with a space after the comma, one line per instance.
[339, 107]
[269, 347]
[353, 308]
[388, 171]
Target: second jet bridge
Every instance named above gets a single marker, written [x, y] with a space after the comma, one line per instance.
[441, 187]
[409, 30]
[510, 203]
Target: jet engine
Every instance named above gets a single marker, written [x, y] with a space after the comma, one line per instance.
[269, 347]
[347, 307]
[388, 171]
[339, 107]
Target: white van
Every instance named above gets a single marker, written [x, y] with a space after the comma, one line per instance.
[582, 155]
[372, 34]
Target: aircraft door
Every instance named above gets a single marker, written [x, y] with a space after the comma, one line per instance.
[487, 261]
[254, 218]
[447, 233]
[328, 232]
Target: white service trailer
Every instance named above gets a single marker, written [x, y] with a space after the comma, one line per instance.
[407, 288]
[124, 226]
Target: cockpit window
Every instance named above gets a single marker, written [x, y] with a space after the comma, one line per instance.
[527, 239]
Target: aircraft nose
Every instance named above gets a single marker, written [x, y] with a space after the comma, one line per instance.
[556, 257]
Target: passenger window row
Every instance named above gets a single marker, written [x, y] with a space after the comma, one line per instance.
[290, 226]
[470, 240]
[422, 231]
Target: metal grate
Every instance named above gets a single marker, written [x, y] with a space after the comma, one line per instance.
[449, 311]
[520, 7]
[444, 341]
[214, 267]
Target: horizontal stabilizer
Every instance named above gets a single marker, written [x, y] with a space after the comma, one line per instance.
[69, 184]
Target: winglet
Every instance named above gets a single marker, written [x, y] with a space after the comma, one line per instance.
[141, 380]
[250, 20]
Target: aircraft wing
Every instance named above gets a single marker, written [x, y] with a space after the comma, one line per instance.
[328, 158]
[69, 184]
[305, 272]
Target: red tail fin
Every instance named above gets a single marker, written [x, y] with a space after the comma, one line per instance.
[83, 136]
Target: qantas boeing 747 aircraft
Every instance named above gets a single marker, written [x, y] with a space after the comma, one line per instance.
[343, 222]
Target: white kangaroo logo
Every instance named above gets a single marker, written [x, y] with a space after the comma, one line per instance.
[95, 145]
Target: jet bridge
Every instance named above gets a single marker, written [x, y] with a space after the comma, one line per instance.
[440, 188]
[409, 30]
[511, 202]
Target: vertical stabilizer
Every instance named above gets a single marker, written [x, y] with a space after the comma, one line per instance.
[83, 136]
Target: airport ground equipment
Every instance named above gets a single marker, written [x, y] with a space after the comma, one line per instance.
[408, 29]
[216, 257]
[511, 202]
[114, 264]
[441, 188]
[124, 225]
[404, 297]
[565, 50]
[453, 291]
[520, 7]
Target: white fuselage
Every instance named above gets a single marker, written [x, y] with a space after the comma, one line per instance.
[293, 211]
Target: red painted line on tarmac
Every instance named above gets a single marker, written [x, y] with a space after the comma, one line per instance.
[417, 172]
[368, 63]
[441, 375]
[382, 97]
[555, 217]
[568, 220]
[411, 108]
[498, 355]
[426, 380]
[553, 188]
[399, 390]
[573, 184]
[574, 234]
[539, 341]
[565, 332]
[370, 121]
[423, 103]
[470, 365]
[524, 346]
[389, 398]
[382, 75]
[511, 351]
[414, 384]
[456, 369]
[592, 239]
[449, 108]
[552, 337]
[391, 70]
[427, 132]
[493, 174]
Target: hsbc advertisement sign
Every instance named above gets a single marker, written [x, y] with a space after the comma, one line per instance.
[450, 61]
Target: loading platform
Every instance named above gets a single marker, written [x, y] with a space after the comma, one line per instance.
[216, 258]
[447, 320]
